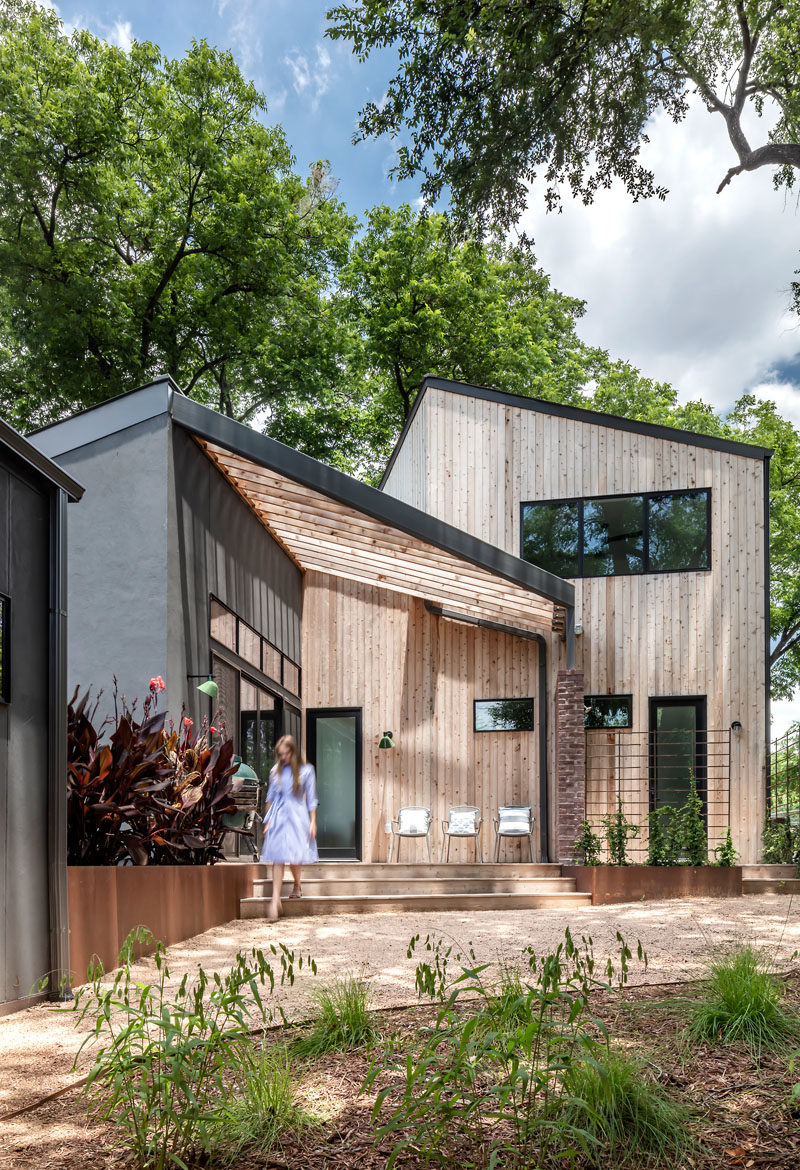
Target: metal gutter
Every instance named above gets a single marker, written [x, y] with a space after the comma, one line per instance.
[57, 753]
[243, 440]
[32, 457]
[579, 414]
[516, 632]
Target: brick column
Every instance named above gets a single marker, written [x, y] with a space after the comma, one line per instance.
[570, 763]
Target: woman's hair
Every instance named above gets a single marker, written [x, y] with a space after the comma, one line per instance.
[295, 761]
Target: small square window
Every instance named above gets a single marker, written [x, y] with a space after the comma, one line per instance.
[223, 625]
[291, 676]
[504, 714]
[607, 711]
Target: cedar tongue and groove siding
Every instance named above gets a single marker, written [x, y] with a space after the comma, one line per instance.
[471, 457]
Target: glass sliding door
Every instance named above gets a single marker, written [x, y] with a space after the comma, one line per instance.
[333, 737]
[678, 750]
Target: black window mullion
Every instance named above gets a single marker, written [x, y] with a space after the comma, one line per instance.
[646, 528]
[580, 538]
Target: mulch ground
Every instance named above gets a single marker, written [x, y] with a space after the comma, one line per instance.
[740, 1105]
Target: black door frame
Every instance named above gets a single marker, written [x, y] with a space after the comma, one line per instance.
[312, 714]
[700, 703]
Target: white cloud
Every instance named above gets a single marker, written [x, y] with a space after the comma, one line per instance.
[693, 290]
[121, 35]
[785, 395]
[783, 714]
[246, 18]
[310, 77]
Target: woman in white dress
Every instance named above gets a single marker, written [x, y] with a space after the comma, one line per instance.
[290, 820]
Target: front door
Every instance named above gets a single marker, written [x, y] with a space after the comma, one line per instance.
[678, 750]
[333, 740]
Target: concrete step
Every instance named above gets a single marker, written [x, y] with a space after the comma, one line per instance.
[347, 887]
[325, 870]
[771, 885]
[410, 903]
[768, 872]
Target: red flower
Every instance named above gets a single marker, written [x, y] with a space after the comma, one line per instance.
[157, 684]
[188, 722]
[213, 730]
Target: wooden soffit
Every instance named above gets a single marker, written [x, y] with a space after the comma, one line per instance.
[325, 535]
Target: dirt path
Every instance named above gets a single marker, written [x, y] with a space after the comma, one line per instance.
[38, 1046]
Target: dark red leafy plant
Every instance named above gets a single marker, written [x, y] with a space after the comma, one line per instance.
[147, 796]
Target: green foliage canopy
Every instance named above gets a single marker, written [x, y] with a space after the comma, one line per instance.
[491, 94]
[149, 222]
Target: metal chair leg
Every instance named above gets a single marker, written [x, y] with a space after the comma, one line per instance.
[441, 855]
[428, 839]
[391, 848]
[530, 846]
[496, 847]
[448, 848]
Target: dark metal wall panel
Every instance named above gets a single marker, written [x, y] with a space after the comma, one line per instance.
[117, 580]
[24, 576]
[217, 546]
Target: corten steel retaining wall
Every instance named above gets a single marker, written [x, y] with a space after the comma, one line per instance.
[634, 883]
[174, 902]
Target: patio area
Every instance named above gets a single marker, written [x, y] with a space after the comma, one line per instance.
[37, 1046]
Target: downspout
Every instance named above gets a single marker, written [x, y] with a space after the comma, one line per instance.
[516, 632]
[57, 754]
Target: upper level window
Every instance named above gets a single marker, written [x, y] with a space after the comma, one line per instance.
[228, 629]
[606, 536]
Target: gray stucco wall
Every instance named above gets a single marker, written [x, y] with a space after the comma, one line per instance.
[24, 735]
[118, 561]
[216, 545]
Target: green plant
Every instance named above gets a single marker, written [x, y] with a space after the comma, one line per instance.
[781, 843]
[657, 839]
[612, 1097]
[619, 830]
[147, 796]
[725, 854]
[743, 1004]
[260, 1107]
[485, 1086]
[693, 827]
[343, 1019]
[160, 1061]
[588, 845]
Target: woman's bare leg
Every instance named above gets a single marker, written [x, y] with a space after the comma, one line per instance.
[277, 882]
[297, 871]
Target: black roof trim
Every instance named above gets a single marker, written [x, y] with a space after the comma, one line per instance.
[39, 462]
[614, 421]
[243, 440]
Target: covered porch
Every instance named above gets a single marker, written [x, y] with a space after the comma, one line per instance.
[407, 624]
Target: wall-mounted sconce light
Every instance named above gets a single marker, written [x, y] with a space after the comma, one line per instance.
[209, 687]
[386, 740]
[736, 725]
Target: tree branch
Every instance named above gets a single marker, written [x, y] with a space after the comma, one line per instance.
[773, 154]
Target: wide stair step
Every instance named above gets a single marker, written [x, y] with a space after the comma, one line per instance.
[770, 879]
[355, 888]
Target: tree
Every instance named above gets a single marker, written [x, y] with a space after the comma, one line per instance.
[492, 93]
[149, 223]
[411, 298]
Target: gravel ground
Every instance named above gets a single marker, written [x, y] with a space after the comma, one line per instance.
[38, 1046]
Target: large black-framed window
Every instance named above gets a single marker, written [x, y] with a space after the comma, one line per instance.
[503, 715]
[609, 536]
[5, 647]
[236, 635]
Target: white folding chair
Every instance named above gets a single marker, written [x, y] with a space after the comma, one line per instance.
[463, 820]
[513, 822]
[412, 821]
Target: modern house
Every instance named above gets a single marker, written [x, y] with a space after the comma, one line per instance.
[34, 493]
[526, 568]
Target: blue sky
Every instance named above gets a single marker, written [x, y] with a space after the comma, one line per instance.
[694, 291]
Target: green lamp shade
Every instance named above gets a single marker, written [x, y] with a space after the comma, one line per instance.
[210, 688]
[386, 740]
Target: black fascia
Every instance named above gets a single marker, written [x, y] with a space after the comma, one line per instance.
[243, 440]
[578, 413]
[40, 463]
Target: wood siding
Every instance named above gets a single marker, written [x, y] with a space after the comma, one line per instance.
[677, 634]
[418, 675]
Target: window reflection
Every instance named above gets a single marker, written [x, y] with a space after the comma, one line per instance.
[613, 536]
[550, 537]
